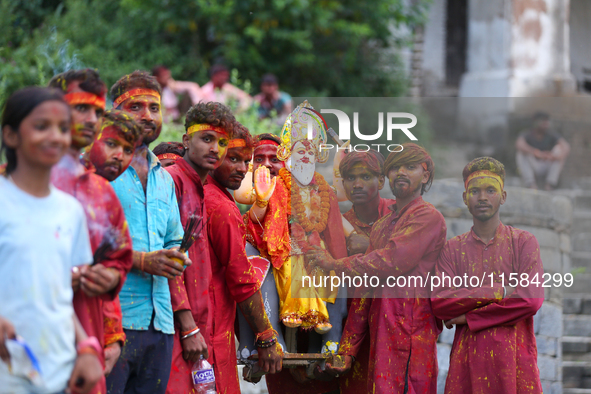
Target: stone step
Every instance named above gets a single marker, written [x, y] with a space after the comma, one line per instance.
[576, 374]
[576, 304]
[582, 201]
[576, 325]
[577, 345]
[581, 222]
[581, 283]
[581, 259]
[581, 242]
[575, 391]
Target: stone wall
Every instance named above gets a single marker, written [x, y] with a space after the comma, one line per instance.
[549, 218]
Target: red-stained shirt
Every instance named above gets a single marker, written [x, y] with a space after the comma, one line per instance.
[233, 281]
[496, 351]
[365, 228]
[355, 382]
[190, 291]
[401, 326]
[112, 318]
[104, 214]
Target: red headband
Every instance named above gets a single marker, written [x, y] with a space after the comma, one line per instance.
[236, 143]
[266, 142]
[135, 92]
[169, 156]
[85, 98]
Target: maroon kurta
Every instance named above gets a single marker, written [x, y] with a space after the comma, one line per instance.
[355, 382]
[364, 228]
[103, 214]
[496, 351]
[191, 289]
[233, 281]
[402, 328]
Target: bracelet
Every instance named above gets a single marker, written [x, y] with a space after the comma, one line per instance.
[266, 335]
[337, 173]
[266, 344]
[194, 332]
[262, 203]
[183, 333]
[90, 345]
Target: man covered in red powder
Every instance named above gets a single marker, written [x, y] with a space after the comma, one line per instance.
[209, 128]
[233, 277]
[405, 243]
[110, 155]
[102, 281]
[362, 179]
[494, 349]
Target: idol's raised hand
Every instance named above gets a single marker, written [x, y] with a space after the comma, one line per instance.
[264, 186]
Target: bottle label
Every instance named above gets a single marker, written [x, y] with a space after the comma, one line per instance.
[203, 376]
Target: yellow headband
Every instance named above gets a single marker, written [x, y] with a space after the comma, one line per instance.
[483, 174]
[135, 92]
[205, 126]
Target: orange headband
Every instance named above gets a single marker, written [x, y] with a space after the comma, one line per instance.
[170, 156]
[135, 92]
[85, 98]
[236, 143]
[483, 174]
[205, 126]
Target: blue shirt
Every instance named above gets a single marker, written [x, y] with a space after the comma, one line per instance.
[154, 224]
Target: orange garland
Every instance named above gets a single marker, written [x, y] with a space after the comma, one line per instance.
[300, 210]
[286, 177]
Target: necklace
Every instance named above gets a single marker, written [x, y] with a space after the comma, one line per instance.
[320, 223]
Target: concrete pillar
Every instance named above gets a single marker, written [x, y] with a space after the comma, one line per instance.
[518, 48]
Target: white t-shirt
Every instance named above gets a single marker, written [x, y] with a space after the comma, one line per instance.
[41, 239]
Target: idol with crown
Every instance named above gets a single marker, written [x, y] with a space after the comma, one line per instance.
[301, 214]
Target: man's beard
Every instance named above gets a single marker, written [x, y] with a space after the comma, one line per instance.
[303, 172]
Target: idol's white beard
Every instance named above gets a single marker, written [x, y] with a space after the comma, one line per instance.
[303, 172]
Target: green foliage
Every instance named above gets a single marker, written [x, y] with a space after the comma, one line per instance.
[315, 47]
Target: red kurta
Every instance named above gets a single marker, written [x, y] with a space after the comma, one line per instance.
[103, 214]
[190, 290]
[364, 228]
[402, 328]
[355, 382]
[112, 318]
[496, 351]
[233, 281]
[334, 239]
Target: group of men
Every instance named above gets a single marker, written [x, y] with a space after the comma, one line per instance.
[156, 309]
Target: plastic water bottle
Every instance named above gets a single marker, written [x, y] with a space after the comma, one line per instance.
[203, 377]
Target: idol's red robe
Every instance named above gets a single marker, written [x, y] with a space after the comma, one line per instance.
[401, 326]
[104, 216]
[496, 351]
[233, 281]
[190, 291]
[355, 381]
[274, 244]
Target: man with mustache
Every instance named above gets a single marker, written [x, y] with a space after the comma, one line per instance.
[233, 278]
[209, 128]
[101, 282]
[494, 349]
[404, 243]
[362, 179]
[148, 198]
[109, 156]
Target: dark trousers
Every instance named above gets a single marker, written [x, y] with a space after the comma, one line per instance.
[144, 365]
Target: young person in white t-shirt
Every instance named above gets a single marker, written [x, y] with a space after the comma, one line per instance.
[43, 235]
